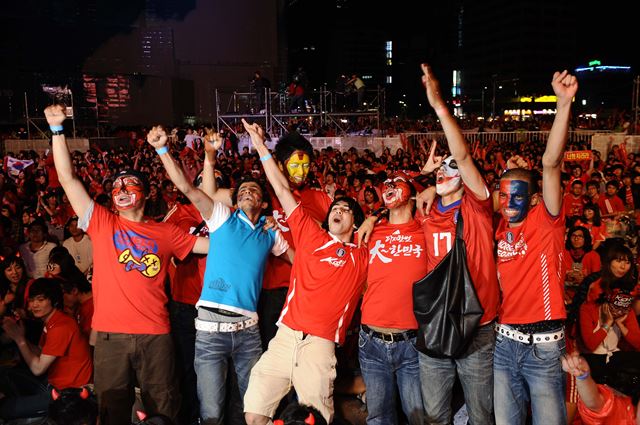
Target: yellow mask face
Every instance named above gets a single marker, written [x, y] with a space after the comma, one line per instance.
[298, 167]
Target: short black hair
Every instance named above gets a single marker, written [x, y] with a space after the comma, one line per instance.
[49, 288]
[588, 245]
[289, 143]
[135, 173]
[266, 197]
[523, 174]
[356, 210]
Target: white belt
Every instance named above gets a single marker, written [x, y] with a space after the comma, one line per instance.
[203, 325]
[541, 338]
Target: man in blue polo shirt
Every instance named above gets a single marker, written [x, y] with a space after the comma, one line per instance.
[226, 327]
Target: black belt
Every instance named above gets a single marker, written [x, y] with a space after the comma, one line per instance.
[390, 337]
[545, 326]
[222, 312]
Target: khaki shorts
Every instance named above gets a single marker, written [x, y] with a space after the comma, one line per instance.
[309, 365]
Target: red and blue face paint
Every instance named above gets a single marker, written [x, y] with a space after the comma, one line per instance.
[514, 200]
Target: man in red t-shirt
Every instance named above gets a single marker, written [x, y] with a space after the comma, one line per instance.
[328, 274]
[530, 243]
[611, 206]
[63, 352]
[461, 190]
[573, 202]
[396, 261]
[131, 257]
[599, 404]
[294, 155]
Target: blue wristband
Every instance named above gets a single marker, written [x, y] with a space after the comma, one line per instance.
[266, 157]
[56, 128]
[583, 376]
[162, 150]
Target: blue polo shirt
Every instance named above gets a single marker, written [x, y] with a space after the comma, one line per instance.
[238, 252]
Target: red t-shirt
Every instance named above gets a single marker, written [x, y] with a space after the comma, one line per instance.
[590, 263]
[326, 280]
[316, 202]
[572, 205]
[598, 233]
[85, 315]
[530, 268]
[617, 409]
[129, 270]
[61, 338]
[396, 261]
[440, 231]
[187, 275]
[610, 205]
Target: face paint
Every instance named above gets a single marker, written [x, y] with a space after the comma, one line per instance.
[127, 192]
[298, 167]
[448, 177]
[514, 200]
[396, 192]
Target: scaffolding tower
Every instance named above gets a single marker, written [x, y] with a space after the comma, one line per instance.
[322, 107]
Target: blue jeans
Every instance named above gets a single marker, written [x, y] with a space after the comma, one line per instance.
[385, 365]
[523, 373]
[475, 370]
[213, 351]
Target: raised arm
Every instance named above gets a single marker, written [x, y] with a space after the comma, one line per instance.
[213, 142]
[157, 138]
[565, 87]
[457, 144]
[72, 185]
[278, 181]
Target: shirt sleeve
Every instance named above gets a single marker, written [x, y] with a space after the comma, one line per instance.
[219, 214]
[181, 241]
[58, 340]
[280, 245]
[85, 221]
[602, 416]
[590, 330]
[303, 227]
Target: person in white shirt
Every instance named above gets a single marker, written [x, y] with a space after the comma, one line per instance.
[79, 245]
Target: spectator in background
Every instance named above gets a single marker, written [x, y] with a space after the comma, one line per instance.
[591, 221]
[260, 83]
[63, 353]
[580, 260]
[79, 245]
[78, 296]
[608, 327]
[35, 252]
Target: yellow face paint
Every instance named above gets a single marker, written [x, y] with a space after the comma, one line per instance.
[298, 167]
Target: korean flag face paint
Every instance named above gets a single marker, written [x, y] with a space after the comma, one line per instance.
[514, 200]
[448, 177]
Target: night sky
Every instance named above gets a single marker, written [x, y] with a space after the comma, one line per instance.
[54, 39]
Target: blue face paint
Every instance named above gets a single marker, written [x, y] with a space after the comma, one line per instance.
[514, 200]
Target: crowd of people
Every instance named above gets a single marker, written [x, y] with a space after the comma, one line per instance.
[215, 286]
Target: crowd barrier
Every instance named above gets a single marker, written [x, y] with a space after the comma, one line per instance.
[41, 145]
[601, 141]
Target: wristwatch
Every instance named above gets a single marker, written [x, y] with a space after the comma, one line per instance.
[606, 327]
[58, 133]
